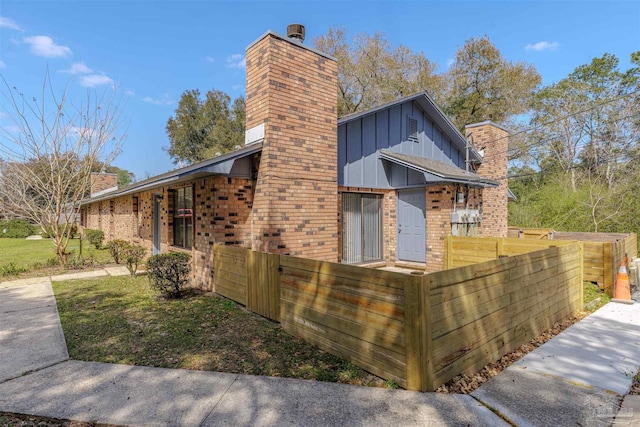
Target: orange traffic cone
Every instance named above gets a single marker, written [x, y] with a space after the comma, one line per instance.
[622, 292]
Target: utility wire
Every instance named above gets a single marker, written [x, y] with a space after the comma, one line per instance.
[609, 101]
[526, 174]
[542, 142]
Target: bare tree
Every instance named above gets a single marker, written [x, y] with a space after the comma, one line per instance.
[371, 71]
[49, 152]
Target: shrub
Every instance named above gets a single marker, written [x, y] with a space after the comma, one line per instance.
[95, 237]
[169, 272]
[117, 249]
[133, 255]
[16, 229]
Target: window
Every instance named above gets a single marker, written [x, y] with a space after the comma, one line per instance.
[136, 209]
[183, 217]
[361, 227]
[412, 129]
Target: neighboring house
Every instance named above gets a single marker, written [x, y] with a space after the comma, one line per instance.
[381, 187]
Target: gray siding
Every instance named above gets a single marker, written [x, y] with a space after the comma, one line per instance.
[360, 139]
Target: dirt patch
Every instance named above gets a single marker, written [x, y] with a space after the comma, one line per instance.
[19, 420]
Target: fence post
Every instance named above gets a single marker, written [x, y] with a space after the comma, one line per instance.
[448, 252]
[417, 317]
[499, 247]
[581, 307]
[251, 280]
[273, 276]
[609, 266]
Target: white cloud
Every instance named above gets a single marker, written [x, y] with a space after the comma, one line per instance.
[78, 68]
[9, 23]
[210, 59]
[2, 64]
[2, 115]
[92, 80]
[544, 45]
[450, 62]
[237, 60]
[129, 92]
[164, 100]
[237, 87]
[88, 77]
[46, 47]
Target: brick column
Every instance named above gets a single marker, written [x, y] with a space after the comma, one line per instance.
[292, 90]
[103, 181]
[494, 139]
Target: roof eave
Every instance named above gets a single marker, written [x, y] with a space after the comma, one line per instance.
[445, 178]
[179, 175]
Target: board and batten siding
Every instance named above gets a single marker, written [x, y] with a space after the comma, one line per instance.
[360, 140]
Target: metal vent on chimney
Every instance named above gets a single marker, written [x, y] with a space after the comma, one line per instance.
[296, 31]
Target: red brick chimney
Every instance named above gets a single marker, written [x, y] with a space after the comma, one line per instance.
[292, 92]
[493, 141]
[103, 183]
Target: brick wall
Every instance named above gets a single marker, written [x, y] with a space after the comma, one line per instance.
[222, 214]
[292, 90]
[495, 141]
[103, 181]
[440, 201]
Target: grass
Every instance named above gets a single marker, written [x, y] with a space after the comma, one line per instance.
[121, 320]
[31, 255]
[592, 292]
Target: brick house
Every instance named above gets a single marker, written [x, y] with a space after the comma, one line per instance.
[381, 187]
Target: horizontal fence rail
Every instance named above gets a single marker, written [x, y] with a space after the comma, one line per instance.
[461, 251]
[603, 252]
[417, 330]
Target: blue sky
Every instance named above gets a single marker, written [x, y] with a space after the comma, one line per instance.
[154, 50]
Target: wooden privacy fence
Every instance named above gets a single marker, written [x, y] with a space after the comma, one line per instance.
[461, 251]
[418, 330]
[480, 312]
[530, 233]
[248, 277]
[603, 252]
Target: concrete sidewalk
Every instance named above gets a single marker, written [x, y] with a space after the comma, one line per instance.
[577, 378]
[32, 343]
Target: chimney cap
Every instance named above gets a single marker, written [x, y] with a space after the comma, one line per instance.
[296, 31]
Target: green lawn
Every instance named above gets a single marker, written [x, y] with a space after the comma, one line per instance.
[120, 320]
[26, 253]
[591, 293]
